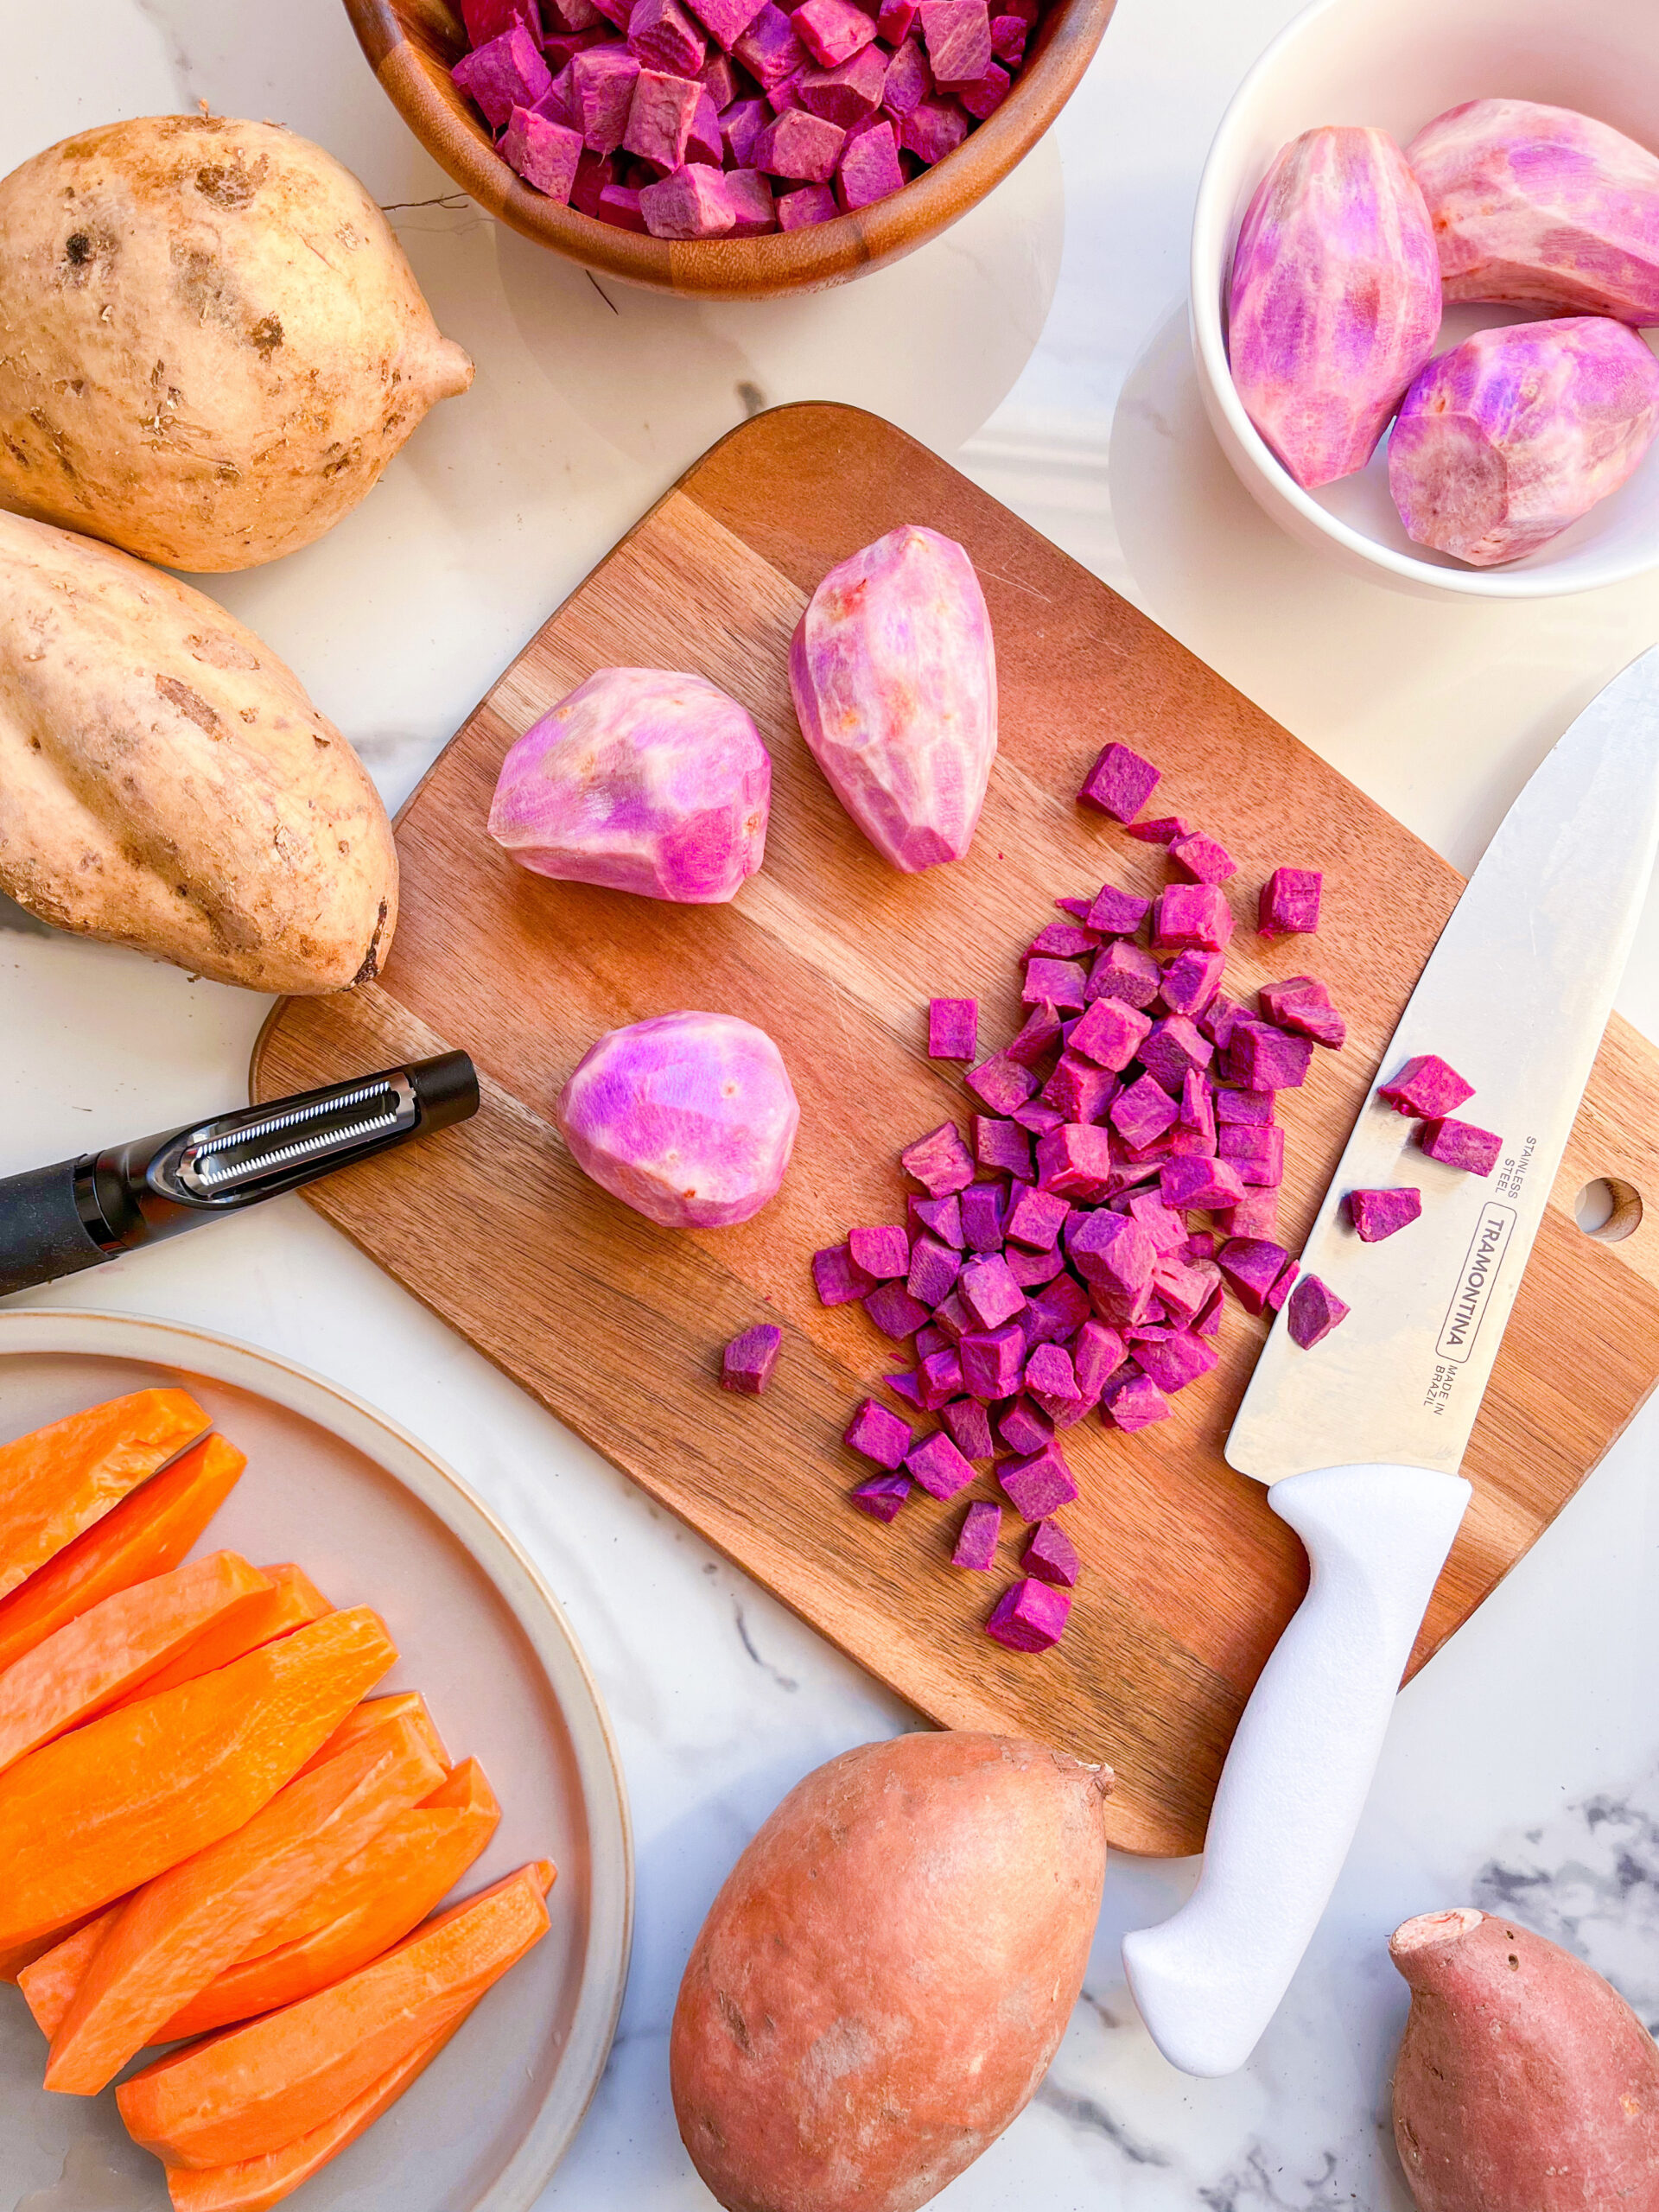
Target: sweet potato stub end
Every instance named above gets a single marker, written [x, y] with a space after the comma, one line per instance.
[1430, 1932]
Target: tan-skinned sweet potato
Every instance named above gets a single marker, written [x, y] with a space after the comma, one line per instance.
[214, 344]
[1524, 2083]
[880, 1985]
[166, 784]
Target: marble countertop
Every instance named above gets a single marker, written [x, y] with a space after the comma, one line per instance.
[1041, 346]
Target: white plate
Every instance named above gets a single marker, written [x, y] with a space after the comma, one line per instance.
[376, 1520]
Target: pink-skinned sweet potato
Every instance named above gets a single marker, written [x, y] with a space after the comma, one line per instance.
[643, 780]
[1524, 2083]
[689, 1118]
[882, 1982]
[1335, 299]
[1504, 441]
[1541, 207]
[894, 678]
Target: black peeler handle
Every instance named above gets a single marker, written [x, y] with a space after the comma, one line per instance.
[42, 1233]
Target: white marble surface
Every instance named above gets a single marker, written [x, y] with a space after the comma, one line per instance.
[1040, 344]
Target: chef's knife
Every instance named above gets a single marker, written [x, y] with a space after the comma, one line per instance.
[1360, 1438]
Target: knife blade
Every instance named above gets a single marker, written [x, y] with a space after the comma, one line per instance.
[1359, 1439]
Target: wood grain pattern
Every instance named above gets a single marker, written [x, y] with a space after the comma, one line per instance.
[412, 44]
[615, 1325]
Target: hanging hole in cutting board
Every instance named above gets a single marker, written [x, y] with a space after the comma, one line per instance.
[1608, 1210]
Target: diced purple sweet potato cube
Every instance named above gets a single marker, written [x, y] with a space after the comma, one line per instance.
[1166, 1229]
[1117, 913]
[952, 1028]
[1426, 1086]
[545, 154]
[503, 74]
[896, 20]
[1029, 1269]
[909, 81]
[953, 1317]
[1110, 1032]
[993, 1361]
[1038, 1036]
[1136, 1403]
[1191, 918]
[705, 145]
[1460, 1144]
[879, 1434]
[1075, 1161]
[1036, 1218]
[970, 1424]
[1001, 1082]
[1128, 972]
[1077, 1089]
[832, 30]
[754, 213]
[1171, 1047]
[618, 206]
[987, 94]
[933, 1271]
[1003, 1145]
[1256, 1214]
[1097, 1352]
[931, 1338]
[957, 36]
[1199, 1107]
[661, 111]
[1143, 1111]
[1217, 1020]
[747, 1362]
[1246, 1109]
[769, 49]
[881, 1496]
[869, 169]
[882, 1253]
[1378, 1214]
[1184, 1287]
[1203, 859]
[1052, 1555]
[692, 203]
[1064, 941]
[1311, 1310]
[1049, 1370]
[982, 1528]
[663, 37]
[1252, 1266]
[1164, 829]
[940, 1217]
[1289, 904]
[1036, 1118]
[1261, 1058]
[601, 83]
[937, 1465]
[1190, 981]
[1008, 36]
[1030, 1616]
[1039, 1483]
[740, 124]
[1111, 1251]
[1119, 783]
[1302, 1003]
[894, 1312]
[1023, 1428]
[725, 20]
[989, 1291]
[940, 1162]
[933, 128]
[1200, 1183]
[1258, 1155]
[797, 144]
[1174, 1361]
[1055, 982]
[718, 77]
[1057, 1310]
[835, 1278]
[982, 1208]
[1282, 1288]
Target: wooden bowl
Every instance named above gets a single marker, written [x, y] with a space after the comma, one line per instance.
[413, 44]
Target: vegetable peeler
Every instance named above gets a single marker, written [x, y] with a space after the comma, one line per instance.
[77, 1213]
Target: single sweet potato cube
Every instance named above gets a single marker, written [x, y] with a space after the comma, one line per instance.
[663, 37]
[1110, 1032]
[1036, 1218]
[832, 30]
[896, 20]
[952, 1028]
[1282, 1288]
[1246, 1109]
[1097, 1352]
[1258, 1155]
[594, 173]
[1198, 1108]
[1184, 1287]
[769, 48]
[1175, 1360]
[1030, 1268]
[661, 111]
[1120, 783]
[940, 1162]
[1078, 1091]
[990, 1292]
[1191, 918]
[1200, 1183]
[1049, 1371]
[909, 81]
[1112, 1252]
[747, 1362]
[601, 92]
[1117, 913]
[937, 1465]
[1023, 1428]
[933, 129]
[725, 20]
[882, 1253]
[1039, 1483]
[706, 145]
[1143, 1112]
[1219, 1020]
[618, 206]
[1378, 1214]
[881, 1496]
[718, 77]
[754, 210]
[848, 93]
[692, 203]
[1134, 1403]
[1075, 1161]
[940, 1217]
[879, 1434]
[740, 124]
[1256, 1213]
[1261, 1058]
[1171, 1047]
[1190, 981]
[1426, 1086]
[797, 145]
[1052, 1555]
[1064, 941]
[905, 1385]
[1030, 1616]
[933, 1271]
[993, 1361]
[1311, 1310]
[1460, 1144]
[1289, 904]
[1001, 1082]
[953, 1317]
[987, 94]
[1003, 1146]
[1056, 1312]
[1036, 1118]
[957, 36]
[1252, 1266]
[1060, 983]
[1303, 1004]
[1128, 972]
[544, 154]
[982, 1208]
[1202, 859]
[503, 74]
[970, 1424]
[1167, 1230]
[1008, 36]
[1162, 829]
[835, 1278]
[894, 1312]
[982, 1528]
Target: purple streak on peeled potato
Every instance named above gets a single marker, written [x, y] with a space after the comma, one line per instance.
[643, 780]
[690, 1119]
[1335, 299]
[1505, 440]
[1542, 207]
[894, 678]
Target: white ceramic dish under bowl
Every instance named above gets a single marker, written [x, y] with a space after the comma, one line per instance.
[376, 1520]
[1397, 64]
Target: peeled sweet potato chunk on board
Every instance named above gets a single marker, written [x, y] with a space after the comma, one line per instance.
[291, 1601]
[120, 1800]
[181, 1930]
[116, 1648]
[149, 1532]
[57, 1481]
[255, 2088]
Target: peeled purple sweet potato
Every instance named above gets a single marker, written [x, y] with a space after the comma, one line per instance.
[689, 1118]
[643, 780]
[1543, 207]
[1335, 299]
[1504, 441]
[895, 679]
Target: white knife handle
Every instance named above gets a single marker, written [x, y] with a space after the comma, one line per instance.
[1209, 1978]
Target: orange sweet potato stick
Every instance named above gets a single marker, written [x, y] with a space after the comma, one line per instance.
[254, 2185]
[374, 1712]
[49, 1982]
[387, 1889]
[116, 1803]
[150, 1531]
[291, 1600]
[58, 1480]
[170, 1940]
[253, 2089]
[116, 1649]
[15, 1956]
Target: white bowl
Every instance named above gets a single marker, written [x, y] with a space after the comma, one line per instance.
[1398, 63]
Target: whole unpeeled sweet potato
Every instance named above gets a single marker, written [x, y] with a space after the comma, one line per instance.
[1543, 207]
[882, 1982]
[1504, 441]
[212, 342]
[166, 784]
[1524, 2083]
[1334, 300]
[894, 678]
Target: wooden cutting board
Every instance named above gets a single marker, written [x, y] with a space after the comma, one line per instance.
[615, 1325]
